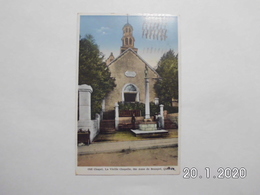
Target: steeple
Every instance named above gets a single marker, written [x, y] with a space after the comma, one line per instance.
[128, 39]
[110, 58]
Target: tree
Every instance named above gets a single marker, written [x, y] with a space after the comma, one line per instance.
[167, 88]
[93, 71]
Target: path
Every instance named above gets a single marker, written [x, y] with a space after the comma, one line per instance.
[108, 147]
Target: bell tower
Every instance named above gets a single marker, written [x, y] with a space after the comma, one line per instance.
[128, 40]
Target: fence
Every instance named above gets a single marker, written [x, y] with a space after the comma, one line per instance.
[129, 113]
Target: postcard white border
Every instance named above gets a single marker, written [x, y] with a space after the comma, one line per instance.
[128, 170]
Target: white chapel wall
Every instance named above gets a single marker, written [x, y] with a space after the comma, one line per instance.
[129, 62]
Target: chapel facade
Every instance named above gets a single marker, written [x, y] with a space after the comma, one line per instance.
[128, 69]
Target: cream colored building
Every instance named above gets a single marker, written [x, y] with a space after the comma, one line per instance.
[129, 71]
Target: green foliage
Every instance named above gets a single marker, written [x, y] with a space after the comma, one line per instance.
[167, 88]
[171, 109]
[132, 106]
[139, 106]
[93, 71]
[154, 109]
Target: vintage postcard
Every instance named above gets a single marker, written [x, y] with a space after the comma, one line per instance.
[128, 95]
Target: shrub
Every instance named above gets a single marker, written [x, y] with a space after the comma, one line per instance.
[139, 106]
[171, 109]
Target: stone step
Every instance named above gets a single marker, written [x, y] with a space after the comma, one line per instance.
[107, 126]
[108, 130]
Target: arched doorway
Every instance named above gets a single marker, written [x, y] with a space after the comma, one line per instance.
[130, 93]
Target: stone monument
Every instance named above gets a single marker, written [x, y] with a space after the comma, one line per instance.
[147, 117]
[148, 126]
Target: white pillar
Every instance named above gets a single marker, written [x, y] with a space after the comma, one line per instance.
[147, 99]
[84, 106]
[98, 121]
[161, 113]
[116, 115]
[103, 108]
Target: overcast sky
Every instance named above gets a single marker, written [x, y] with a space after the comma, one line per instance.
[107, 31]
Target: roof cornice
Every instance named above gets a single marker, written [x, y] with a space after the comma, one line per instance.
[130, 50]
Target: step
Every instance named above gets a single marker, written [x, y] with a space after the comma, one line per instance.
[108, 131]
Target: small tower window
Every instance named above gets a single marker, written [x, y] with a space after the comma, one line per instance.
[130, 41]
[126, 41]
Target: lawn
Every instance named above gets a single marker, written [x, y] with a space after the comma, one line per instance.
[129, 136]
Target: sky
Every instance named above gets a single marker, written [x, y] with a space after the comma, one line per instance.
[107, 32]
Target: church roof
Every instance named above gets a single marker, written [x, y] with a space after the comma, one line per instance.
[130, 50]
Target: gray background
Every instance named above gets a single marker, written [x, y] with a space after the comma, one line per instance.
[219, 92]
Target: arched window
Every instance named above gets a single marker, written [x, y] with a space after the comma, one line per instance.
[126, 41]
[130, 41]
[130, 88]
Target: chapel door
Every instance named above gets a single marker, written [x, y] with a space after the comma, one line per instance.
[130, 93]
[130, 97]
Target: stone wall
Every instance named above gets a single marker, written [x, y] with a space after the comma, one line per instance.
[173, 117]
[95, 128]
[128, 119]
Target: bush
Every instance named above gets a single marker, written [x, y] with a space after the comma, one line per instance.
[154, 109]
[171, 109]
[132, 106]
[139, 106]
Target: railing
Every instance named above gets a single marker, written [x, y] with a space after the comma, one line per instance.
[129, 113]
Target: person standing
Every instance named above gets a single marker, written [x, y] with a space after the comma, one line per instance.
[133, 121]
[159, 120]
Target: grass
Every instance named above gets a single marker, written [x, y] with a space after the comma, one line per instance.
[128, 136]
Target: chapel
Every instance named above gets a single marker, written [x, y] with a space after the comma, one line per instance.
[129, 69]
